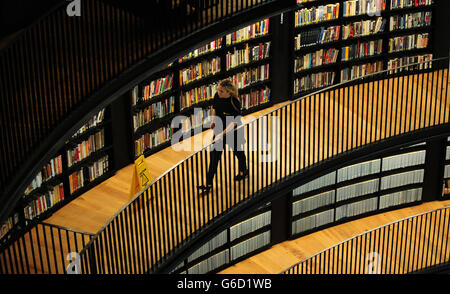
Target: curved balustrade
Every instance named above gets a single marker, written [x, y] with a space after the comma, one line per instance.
[413, 244]
[170, 218]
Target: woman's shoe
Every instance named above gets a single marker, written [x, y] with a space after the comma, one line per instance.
[241, 176]
[205, 189]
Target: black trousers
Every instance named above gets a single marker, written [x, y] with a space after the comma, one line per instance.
[215, 156]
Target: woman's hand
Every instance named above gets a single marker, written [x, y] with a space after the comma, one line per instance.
[213, 125]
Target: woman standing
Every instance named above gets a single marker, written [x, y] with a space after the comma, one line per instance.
[226, 106]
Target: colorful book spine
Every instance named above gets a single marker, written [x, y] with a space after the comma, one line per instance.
[200, 70]
[255, 30]
[157, 110]
[44, 202]
[86, 148]
[197, 95]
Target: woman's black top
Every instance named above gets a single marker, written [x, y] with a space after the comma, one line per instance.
[224, 107]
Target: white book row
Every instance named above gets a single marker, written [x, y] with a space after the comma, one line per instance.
[357, 208]
[356, 190]
[447, 154]
[250, 225]
[313, 221]
[403, 160]
[402, 179]
[447, 171]
[323, 181]
[249, 245]
[211, 263]
[208, 247]
[313, 202]
[399, 198]
[358, 170]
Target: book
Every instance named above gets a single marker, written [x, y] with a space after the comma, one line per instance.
[200, 70]
[361, 49]
[363, 28]
[358, 71]
[314, 59]
[255, 30]
[317, 14]
[409, 42]
[317, 36]
[417, 62]
[313, 81]
[410, 20]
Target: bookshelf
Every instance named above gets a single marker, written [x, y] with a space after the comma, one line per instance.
[84, 162]
[185, 88]
[241, 239]
[390, 181]
[362, 36]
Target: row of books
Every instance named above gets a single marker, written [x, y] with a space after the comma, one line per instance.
[44, 202]
[156, 110]
[76, 180]
[410, 20]
[219, 259]
[357, 190]
[208, 47]
[98, 168]
[250, 225]
[83, 150]
[360, 7]
[255, 30]
[403, 160]
[313, 202]
[249, 245]
[313, 81]
[197, 95]
[314, 59]
[363, 28]
[200, 117]
[358, 170]
[356, 208]
[399, 198]
[255, 97]
[410, 42]
[200, 70]
[400, 64]
[320, 182]
[50, 170]
[246, 55]
[158, 87]
[152, 140]
[313, 221]
[216, 242]
[402, 179]
[362, 49]
[362, 169]
[93, 122]
[8, 225]
[251, 76]
[318, 14]
[361, 70]
[396, 4]
[317, 36]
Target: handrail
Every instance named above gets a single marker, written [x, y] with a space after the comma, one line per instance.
[158, 182]
[360, 236]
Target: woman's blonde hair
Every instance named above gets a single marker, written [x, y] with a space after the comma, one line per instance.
[230, 87]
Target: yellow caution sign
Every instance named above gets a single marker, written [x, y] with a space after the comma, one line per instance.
[141, 176]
